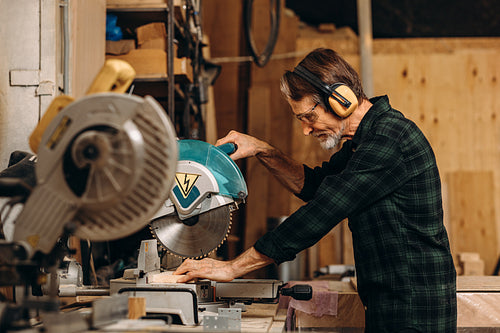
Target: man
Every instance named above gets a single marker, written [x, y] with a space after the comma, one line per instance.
[384, 179]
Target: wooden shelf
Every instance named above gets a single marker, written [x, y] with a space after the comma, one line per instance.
[151, 78]
[179, 78]
[135, 8]
[137, 5]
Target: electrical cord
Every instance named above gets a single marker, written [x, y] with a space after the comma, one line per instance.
[274, 12]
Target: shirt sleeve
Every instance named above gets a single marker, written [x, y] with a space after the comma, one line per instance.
[375, 170]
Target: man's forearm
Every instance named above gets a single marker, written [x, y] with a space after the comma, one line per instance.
[249, 261]
[288, 172]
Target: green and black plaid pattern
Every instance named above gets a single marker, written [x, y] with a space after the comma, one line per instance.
[386, 182]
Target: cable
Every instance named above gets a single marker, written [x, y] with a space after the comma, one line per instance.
[274, 12]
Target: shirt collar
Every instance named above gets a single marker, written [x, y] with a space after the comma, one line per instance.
[380, 106]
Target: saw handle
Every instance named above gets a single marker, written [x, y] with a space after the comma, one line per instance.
[115, 76]
[229, 148]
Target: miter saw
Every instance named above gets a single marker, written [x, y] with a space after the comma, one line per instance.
[196, 218]
[193, 223]
[105, 166]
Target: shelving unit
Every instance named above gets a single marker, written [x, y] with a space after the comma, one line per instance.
[137, 13]
[174, 92]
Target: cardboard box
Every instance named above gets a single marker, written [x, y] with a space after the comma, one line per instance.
[145, 61]
[157, 43]
[123, 46]
[153, 63]
[150, 32]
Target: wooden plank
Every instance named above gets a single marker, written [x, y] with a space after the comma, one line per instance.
[472, 215]
[341, 286]
[210, 115]
[261, 310]
[136, 307]
[478, 309]
[88, 43]
[225, 35]
[277, 327]
[434, 45]
[351, 314]
[257, 175]
[256, 324]
[478, 283]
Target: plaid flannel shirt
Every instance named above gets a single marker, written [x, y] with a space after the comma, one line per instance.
[386, 182]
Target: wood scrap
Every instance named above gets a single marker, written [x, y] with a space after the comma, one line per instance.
[164, 277]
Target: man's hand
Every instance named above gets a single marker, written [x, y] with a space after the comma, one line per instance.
[247, 145]
[222, 271]
[207, 268]
[288, 172]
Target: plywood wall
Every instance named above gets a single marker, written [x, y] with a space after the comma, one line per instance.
[450, 88]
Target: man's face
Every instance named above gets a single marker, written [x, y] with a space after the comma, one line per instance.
[318, 122]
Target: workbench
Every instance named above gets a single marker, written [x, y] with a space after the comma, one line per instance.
[336, 307]
[257, 318]
[339, 304]
[478, 303]
[478, 307]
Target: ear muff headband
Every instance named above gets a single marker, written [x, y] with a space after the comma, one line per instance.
[322, 86]
[334, 100]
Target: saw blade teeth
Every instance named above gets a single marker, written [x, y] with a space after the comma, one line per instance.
[180, 243]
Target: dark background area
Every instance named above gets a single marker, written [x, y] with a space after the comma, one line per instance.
[408, 18]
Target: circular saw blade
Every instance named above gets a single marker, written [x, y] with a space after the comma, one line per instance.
[195, 237]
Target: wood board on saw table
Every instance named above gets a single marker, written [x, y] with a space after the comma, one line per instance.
[478, 298]
[471, 215]
[350, 310]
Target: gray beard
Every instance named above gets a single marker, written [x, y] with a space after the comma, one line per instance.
[332, 140]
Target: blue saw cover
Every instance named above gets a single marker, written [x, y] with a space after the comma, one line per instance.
[226, 172]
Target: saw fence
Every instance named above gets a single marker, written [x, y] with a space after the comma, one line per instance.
[448, 86]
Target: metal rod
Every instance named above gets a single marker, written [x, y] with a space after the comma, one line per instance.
[66, 49]
[366, 44]
[170, 61]
[92, 292]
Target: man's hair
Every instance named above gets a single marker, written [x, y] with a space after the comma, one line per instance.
[329, 67]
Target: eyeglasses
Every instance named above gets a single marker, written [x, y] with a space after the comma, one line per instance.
[309, 117]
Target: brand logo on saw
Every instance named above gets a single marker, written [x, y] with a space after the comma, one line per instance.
[185, 182]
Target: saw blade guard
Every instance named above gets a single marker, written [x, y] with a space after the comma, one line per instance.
[106, 164]
[226, 172]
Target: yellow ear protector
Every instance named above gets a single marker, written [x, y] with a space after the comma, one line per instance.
[339, 98]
